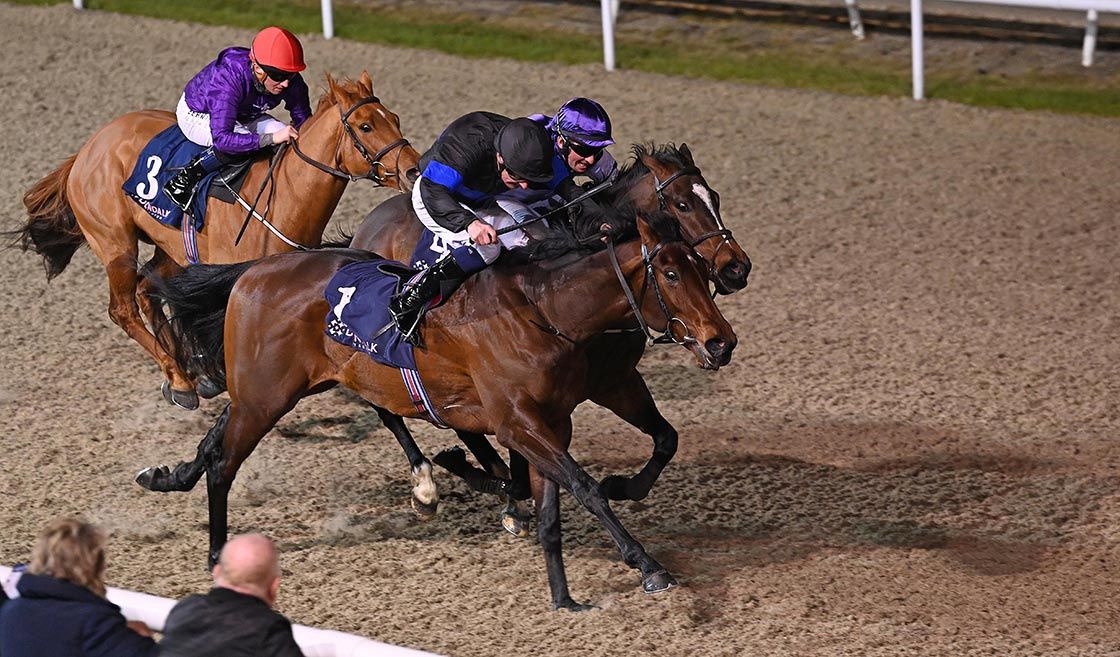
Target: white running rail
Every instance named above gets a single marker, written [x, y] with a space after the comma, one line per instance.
[313, 642]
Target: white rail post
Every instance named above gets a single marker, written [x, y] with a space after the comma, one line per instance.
[854, 20]
[77, 4]
[1090, 38]
[328, 20]
[608, 9]
[916, 56]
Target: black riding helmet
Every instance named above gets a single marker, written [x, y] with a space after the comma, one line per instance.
[526, 149]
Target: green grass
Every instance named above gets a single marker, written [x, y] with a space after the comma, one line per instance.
[476, 37]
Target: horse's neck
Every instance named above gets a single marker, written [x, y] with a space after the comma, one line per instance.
[304, 197]
[581, 299]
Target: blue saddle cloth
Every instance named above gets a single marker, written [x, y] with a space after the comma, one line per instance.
[166, 153]
[359, 317]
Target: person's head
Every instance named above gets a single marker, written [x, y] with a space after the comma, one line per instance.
[276, 56]
[524, 154]
[582, 130]
[249, 564]
[71, 550]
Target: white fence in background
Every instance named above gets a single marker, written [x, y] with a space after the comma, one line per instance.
[313, 642]
[1091, 7]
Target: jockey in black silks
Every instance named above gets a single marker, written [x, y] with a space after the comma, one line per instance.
[477, 158]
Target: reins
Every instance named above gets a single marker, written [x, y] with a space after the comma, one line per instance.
[378, 173]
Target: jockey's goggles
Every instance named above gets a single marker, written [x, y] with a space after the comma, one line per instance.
[583, 150]
[276, 75]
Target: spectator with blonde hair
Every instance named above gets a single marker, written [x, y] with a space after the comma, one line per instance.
[61, 608]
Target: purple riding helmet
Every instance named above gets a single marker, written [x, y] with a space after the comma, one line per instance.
[583, 121]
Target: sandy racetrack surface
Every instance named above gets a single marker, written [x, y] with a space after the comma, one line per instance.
[914, 450]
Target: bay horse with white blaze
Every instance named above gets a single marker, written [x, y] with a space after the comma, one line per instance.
[266, 321]
[658, 180]
[350, 136]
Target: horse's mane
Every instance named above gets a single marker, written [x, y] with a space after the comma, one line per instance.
[348, 85]
[634, 169]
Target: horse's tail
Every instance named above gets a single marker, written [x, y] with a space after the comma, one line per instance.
[52, 229]
[197, 299]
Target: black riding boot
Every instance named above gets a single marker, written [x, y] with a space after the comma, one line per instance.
[407, 306]
[180, 189]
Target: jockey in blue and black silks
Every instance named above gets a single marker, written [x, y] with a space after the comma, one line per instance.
[224, 107]
[474, 160]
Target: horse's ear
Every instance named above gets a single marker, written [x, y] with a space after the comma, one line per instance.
[686, 155]
[646, 231]
[366, 82]
[332, 86]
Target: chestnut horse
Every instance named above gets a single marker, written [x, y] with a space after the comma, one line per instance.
[662, 179]
[351, 136]
[265, 321]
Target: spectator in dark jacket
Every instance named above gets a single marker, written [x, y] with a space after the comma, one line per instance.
[236, 617]
[61, 609]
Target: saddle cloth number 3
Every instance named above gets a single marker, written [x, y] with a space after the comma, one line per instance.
[147, 190]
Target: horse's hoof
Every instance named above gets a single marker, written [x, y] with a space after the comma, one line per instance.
[207, 389]
[516, 525]
[571, 605]
[148, 476]
[187, 399]
[658, 582]
[424, 510]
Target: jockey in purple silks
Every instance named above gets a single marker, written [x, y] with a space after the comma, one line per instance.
[580, 132]
[225, 106]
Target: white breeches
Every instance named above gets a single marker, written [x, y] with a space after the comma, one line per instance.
[196, 125]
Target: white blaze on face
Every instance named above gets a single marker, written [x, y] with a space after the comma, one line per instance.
[702, 192]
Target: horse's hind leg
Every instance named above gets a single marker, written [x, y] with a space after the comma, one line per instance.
[515, 517]
[631, 400]
[162, 266]
[116, 248]
[425, 493]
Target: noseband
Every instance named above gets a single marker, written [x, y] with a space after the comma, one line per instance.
[666, 336]
[378, 172]
[721, 231]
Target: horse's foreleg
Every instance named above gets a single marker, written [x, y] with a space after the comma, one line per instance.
[631, 400]
[247, 424]
[546, 494]
[546, 450]
[587, 491]
[125, 313]
[425, 493]
[186, 474]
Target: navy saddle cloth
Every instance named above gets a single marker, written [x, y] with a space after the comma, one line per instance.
[164, 155]
[359, 317]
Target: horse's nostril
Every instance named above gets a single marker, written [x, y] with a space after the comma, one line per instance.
[716, 346]
[412, 174]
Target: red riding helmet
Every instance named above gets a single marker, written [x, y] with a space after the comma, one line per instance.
[278, 48]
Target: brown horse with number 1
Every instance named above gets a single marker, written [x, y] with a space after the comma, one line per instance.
[662, 180]
[350, 136]
[506, 356]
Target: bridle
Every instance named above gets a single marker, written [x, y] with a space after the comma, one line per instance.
[722, 231]
[666, 336]
[378, 172]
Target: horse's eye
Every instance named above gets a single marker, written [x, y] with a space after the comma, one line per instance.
[365, 127]
[682, 206]
[671, 275]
